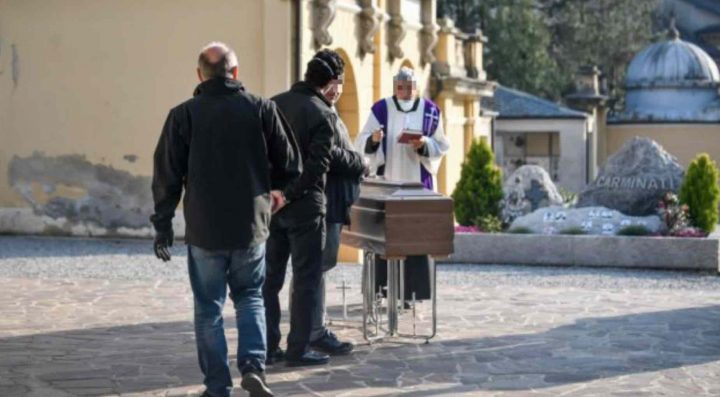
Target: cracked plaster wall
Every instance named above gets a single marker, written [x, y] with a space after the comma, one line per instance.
[85, 87]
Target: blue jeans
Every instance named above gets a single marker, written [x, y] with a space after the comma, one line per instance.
[211, 272]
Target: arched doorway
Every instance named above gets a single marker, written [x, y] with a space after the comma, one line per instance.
[347, 106]
[348, 109]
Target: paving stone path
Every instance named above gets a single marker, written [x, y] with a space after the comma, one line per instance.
[85, 317]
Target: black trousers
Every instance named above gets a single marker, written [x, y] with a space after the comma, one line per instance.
[417, 276]
[304, 243]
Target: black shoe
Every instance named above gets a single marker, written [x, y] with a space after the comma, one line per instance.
[275, 356]
[254, 382]
[309, 358]
[330, 344]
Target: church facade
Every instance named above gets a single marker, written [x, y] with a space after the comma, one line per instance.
[85, 87]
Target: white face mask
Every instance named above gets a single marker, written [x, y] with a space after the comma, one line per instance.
[406, 104]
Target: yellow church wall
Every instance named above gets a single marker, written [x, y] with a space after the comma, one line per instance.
[684, 141]
[453, 119]
[96, 78]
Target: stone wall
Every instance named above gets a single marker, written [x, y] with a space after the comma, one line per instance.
[604, 251]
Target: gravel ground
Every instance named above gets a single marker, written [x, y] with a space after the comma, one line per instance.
[104, 317]
[42, 257]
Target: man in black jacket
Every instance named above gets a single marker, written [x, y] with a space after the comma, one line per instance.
[341, 190]
[235, 158]
[298, 230]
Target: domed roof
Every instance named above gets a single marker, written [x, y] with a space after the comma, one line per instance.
[671, 82]
[672, 63]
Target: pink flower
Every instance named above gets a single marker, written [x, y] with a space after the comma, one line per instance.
[466, 229]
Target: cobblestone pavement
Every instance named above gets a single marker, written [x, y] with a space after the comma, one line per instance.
[88, 317]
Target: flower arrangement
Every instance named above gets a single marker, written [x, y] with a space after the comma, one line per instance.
[466, 229]
[676, 217]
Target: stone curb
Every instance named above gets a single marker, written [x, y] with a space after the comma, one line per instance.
[572, 250]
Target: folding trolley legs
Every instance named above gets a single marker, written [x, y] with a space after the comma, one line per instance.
[373, 328]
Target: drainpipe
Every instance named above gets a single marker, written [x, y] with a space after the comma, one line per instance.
[297, 42]
[588, 154]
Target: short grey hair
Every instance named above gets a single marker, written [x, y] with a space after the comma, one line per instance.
[405, 74]
[214, 68]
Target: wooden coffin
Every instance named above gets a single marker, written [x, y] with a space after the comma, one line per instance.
[397, 219]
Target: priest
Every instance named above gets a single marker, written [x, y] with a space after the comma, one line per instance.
[403, 140]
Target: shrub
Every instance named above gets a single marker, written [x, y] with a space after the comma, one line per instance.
[569, 197]
[520, 230]
[489, 224]
[479, 191]
[634, 230]
[700, 193]
[572, 231]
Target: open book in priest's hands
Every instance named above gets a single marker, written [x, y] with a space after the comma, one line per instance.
[409, 136]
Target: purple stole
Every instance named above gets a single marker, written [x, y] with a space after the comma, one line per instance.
[431, 118]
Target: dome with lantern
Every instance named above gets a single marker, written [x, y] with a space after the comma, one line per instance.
[672, 81]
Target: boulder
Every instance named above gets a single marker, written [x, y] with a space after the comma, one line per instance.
[591, 220]
[526, 190]
[634, 179]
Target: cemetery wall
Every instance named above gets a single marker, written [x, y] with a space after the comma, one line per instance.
[684, 141]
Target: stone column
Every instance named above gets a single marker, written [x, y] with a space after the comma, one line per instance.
[369, 19]
[428, 34]
[395, 30]
[587, 98]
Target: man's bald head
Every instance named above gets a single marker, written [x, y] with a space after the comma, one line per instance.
[217, 60]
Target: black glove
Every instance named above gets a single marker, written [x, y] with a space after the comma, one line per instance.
[163, 242]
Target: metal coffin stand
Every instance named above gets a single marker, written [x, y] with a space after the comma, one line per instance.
[396, 220]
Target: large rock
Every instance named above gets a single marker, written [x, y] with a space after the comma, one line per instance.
[634, 179]
[526, 190]
[592, 220]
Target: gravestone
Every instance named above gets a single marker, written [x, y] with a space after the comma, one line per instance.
[634, 179]
[591, 220]
[526, 190]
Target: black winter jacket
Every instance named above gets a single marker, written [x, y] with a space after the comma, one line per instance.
[227, 149]
[315, 125]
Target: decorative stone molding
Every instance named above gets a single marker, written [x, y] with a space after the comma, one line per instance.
[396, 30]
[447, 25]
[323, 14]
[587, 96]
[458, 71]
[369, 20]
[428, 33]
[472, 45]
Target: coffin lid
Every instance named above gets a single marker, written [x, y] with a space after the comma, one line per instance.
[381, 189]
